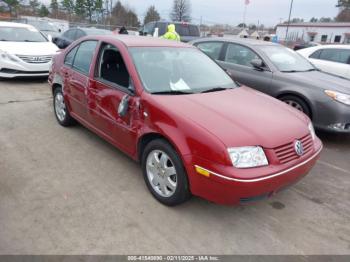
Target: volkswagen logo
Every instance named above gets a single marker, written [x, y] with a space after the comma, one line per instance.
[298, 147]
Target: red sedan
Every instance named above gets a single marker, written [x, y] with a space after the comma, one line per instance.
[193, 129]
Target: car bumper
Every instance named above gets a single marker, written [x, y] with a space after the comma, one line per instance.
[10, 69]
[333, 117]
[221, 187]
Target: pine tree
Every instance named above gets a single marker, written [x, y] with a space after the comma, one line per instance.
[151, 15]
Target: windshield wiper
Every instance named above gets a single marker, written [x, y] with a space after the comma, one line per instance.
[171, 92]
[215, 89]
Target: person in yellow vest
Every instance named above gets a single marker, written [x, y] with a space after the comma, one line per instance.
[171, 34]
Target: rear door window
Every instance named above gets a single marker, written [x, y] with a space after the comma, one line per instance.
[336, 55]
[212, 49]
[84, 55]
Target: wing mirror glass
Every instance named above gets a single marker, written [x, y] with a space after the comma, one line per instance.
[258, 64]
[123, 106]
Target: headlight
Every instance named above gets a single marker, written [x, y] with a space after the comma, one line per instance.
[312, 131]
[7, 56]
[246, 157]
[340, 97]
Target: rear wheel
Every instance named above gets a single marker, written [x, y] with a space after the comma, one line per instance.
[61, 112]
[164, 173]
[297, 103]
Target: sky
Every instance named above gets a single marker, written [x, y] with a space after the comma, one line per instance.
[267, 12]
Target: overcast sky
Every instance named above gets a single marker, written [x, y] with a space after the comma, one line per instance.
[268, 12]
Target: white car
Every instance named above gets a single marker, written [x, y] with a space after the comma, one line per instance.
[24, 51]
[334, 59]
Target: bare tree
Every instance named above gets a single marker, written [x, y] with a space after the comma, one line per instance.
[181, 11]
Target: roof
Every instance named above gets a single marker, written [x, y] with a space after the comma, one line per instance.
[11, 24]
[143, 41]
[244, 41]
[309, 24]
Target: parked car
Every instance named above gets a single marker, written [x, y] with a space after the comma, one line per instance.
[286, 75]
[334, 59]
[73, 34]
[187, 31]
[47, 28]
[194, 130]
[24, 51]
[305, 45]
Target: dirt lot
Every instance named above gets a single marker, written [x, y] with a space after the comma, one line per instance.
[66, 191]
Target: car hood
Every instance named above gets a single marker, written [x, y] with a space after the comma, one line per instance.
[318, 79]
[28, 48]
[240, 116]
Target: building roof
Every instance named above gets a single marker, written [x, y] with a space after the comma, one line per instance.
[144, 41]
[309, 24]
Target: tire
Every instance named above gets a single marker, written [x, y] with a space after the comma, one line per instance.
[162, 163]
[297, 103]
[62, 114]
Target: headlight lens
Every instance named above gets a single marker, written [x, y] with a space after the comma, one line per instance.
[340, 97]
[7, 56]
[246, 157]
[312, 131]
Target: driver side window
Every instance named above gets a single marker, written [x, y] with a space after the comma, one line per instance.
[112, 67]
[240, 55]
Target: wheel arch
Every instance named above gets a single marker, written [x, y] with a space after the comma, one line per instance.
[146, 138]
[300, 96]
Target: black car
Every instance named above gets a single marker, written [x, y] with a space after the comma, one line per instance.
[187, 31]
[73, 34]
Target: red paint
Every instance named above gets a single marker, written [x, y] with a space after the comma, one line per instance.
[200, 126]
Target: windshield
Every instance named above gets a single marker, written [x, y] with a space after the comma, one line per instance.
[178, 70]
[287, 60]
[18, 34]
[44, 26]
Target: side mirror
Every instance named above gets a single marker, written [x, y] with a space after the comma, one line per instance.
[258, 64]
[123, 106]
[140, 32]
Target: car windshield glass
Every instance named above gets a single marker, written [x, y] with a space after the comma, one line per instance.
[287, 60]
[178, 70]
[17, 34]
[44, 26]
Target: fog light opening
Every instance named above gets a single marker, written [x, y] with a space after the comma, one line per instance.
[340, 126]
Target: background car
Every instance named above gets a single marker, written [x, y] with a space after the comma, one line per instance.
[24, 51]
[300, 46]
[73, 34]
[286, 75]
[47, 28]
[187, 31]
[170, 107]
[334, 59]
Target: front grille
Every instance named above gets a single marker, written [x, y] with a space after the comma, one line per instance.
[286, 153]
[32, 59]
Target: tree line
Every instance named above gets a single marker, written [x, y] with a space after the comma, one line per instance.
[96, 11]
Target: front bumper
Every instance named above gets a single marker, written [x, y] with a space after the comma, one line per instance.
[330, 114]
[11, 69]
[223, 188]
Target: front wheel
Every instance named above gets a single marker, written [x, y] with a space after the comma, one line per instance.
[164, 173]
[297, 103]
[61, 112]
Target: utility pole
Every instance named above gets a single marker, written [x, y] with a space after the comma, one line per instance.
[290, 13]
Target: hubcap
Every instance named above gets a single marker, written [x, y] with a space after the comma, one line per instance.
[60, 107]
[294, 104]
[161, 173]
